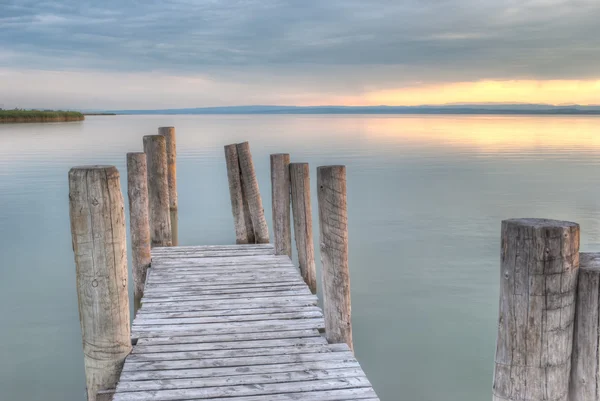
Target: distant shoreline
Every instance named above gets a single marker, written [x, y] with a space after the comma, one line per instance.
[99, 114]
[39, 116]
[423, 110]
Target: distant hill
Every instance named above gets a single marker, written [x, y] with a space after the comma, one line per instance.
[492, 108]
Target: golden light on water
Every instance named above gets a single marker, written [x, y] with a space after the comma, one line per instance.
[490, 133]
[555, 92]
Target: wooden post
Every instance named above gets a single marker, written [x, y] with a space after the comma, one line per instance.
[303, 231]
[139, 225]
[98, 233]
[244, 233]
[585, 367]
[252, 194]
[155, 148]
[169, 134]
[539, 266]
[333, 230]
[280, 195]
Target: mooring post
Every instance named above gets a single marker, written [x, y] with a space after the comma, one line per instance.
[169, 134]
[280, 197]
[139, 225]
[98, 233]
[252, 194]
[155, 148]
[244, 233]
[539, 266]
[303, 231]
[333, 230]
[585, 366]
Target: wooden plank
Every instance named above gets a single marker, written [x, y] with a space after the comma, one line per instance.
[230, 328]
[232, 372]
[150, 319]
[200, 286]
[194, 338]
[225, 345]
[309, 323]
[211, 247]
[287, 377]
[290, 293]
[244, 303]
[295, 288]
[228, 312]
[363, 393]
[242, 391]
[337, 353]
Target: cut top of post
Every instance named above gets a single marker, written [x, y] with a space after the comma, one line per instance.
[541, 223]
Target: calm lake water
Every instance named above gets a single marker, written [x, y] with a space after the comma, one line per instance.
[426, 195]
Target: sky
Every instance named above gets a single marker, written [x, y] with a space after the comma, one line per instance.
[148, 54]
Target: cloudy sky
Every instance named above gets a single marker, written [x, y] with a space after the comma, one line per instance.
[191, 53]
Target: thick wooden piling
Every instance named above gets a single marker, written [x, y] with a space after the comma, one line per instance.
[139, 225]
[303, 231]
[333, 230]
[585, 365]
[169, 134]
[539, 266]
[280, 196]
[99, 243]
[155, 148]
[252, 194]
[244, 233]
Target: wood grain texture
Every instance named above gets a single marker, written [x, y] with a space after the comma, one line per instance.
[244, 233]
[252, 194]
[155, 148]
[333, 238]
[280, 196]
[98, 233]
[539, 266]
[227, 331]
[139, 223]
[585, 374]
[171, 143]
[303, 229]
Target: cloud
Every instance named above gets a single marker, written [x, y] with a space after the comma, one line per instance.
[361, 45]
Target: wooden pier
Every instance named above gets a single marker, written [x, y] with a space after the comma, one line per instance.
[237, 323]
[218, 322]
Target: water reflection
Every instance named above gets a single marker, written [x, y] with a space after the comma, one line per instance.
[426, 196]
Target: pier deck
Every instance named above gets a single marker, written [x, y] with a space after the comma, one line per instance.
[233, 323]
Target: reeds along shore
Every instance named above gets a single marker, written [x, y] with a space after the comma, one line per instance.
[38, 116]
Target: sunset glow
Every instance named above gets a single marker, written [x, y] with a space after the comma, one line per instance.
[557, 92]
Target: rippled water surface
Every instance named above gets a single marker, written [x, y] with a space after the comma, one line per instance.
[426, 195]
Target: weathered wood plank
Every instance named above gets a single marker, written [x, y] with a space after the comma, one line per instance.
[241, 391]
[134, 376]
[154, 320]
[229, 312]
[287, 377]
[194, 338]
[337, 353]
[222, 345]
[362, 393]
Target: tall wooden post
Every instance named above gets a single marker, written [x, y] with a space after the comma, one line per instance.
[303, 231]
[169, 134]
[539, 266]
[252, 194]
[244, 233]
[155, 148]
[280, 196]
[139, 225]
[333, 230]
[585, 367]
[98, 233]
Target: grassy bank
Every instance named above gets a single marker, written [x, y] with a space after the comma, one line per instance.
[39, 116]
